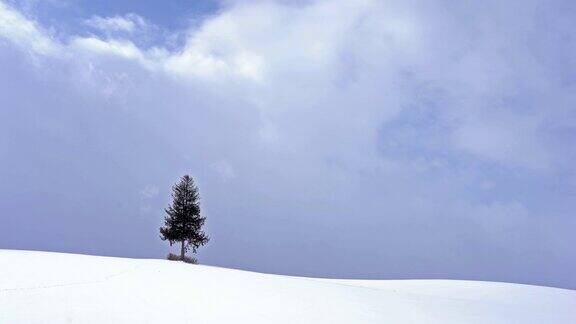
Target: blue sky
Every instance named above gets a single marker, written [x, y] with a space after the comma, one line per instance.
[363, 139]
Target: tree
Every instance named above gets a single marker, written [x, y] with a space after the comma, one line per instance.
[183, 222]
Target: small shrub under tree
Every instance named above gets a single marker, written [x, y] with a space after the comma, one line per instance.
[187, 259]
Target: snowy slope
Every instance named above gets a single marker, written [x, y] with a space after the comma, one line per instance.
[42, 287]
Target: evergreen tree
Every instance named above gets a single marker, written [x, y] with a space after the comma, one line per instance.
[183, 222]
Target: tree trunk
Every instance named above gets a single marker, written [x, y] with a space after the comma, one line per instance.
[182, 252]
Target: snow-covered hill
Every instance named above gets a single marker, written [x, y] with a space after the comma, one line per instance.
[42, 287]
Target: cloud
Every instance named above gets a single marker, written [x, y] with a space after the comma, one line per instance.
[504, 140]
[224, 169]
[127, 23]
[119, 48]
[25, 33]
[150, 191]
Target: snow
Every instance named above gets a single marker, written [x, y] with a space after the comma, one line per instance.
[44, 287]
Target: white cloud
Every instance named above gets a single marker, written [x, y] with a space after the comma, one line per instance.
[121, 48]
[279, 58]
[510, 140]
[499, 220]
[127, 23]
[25, 33]
[224, 170]
[150, 191]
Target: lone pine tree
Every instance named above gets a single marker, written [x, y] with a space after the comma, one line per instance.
[183, 222]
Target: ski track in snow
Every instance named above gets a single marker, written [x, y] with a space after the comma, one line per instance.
[69, 284]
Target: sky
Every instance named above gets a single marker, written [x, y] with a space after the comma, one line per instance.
[352, 139]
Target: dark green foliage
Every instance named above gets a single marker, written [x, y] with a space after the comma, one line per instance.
[183, 222]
